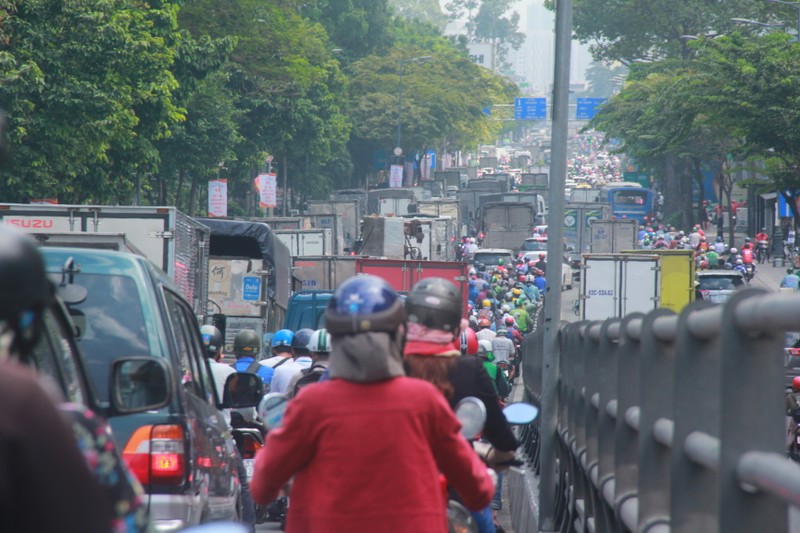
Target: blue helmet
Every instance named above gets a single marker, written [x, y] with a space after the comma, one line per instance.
[301, 339]
[364, 303]
[283, 337]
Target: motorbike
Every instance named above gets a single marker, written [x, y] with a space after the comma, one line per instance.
[249, 438]
[749, 272]
[270, 411]
[761, 251]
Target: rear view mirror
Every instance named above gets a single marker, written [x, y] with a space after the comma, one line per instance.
[472, 414]
[242, 389]
[139, 384]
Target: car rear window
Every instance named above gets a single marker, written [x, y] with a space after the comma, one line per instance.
[535, 246]
[719, 283]
[110, 324]
[492, 259]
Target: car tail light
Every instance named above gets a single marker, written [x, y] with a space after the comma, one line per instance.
[251, 446]
[155, 454]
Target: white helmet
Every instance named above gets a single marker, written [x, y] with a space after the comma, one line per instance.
[484, 347]
[320, 342]
[734, 251]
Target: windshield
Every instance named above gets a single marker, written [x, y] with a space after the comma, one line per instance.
[488, 258]
[110, 324]
[630, 197]
[535, 246]
[719, 283]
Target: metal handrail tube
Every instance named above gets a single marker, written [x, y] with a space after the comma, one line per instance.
[771, 472]
[702, 449]
[663, 430]
[635, 329]
[594, 332]
[632, 417]
[611, 409]
[773, 312]
[613, 331]
[665, 328]
[596, 400]
[629, 512]
[705, 324]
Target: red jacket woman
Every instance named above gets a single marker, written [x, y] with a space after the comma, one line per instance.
[366, 448]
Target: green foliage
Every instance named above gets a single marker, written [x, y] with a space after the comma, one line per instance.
[428, 11]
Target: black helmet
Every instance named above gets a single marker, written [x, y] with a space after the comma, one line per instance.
[435, 303]
[246, 343]
[212, 340]
[301, 339]
[364, 303]
[25, 290]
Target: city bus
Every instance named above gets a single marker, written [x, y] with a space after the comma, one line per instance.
[629, 200]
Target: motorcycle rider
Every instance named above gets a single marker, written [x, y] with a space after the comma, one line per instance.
[486, 330]
[40, 457]
[246, 346]
[434, 322]
[281, 344]
[319, 347]
[762, 241]
[541, 264]
[793, 412]
[302, 360]
[404, 431]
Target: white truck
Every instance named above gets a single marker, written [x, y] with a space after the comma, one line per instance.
[307, 241]
[612, 236]
[613, 285]
[343, 216]
[173, 241]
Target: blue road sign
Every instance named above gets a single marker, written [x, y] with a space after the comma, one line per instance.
[251, 288]
[530, 108]
[587, 107]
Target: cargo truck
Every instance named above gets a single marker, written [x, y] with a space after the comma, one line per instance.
[322, 272]
[507, 224]
[614, 285]
[534, 181]
[398, 201]
[578, 218]
[442, 208]
[403, 274]
[251, 277]
[307, 241]
[349, 214]
[613, 235]
[173, 241]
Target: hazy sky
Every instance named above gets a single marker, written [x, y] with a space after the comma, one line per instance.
[520, 6]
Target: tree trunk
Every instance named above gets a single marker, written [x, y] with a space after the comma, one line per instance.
[192, 196]
[671, 188]
[179, 188]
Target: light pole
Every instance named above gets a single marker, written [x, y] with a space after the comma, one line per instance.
[795, 5]
[403, 62]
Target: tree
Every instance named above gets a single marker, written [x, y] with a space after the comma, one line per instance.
[428, 11]
[88, 90]
[357, 27]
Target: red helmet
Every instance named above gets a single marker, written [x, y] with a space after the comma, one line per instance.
[509, 321]
[522, 278]
[469, 342]
[484, 323]
[796, 384]
[542, 256]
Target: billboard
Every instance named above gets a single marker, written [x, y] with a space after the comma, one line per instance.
[481, 54]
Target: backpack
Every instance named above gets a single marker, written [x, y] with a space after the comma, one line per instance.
[310, 375]
[501, 384]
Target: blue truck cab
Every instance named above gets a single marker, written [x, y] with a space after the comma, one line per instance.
[182, 454]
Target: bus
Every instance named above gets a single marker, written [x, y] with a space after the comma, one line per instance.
[629, 200]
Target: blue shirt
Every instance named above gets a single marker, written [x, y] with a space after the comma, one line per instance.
[540, 283]
[790, 281]
[264, 372]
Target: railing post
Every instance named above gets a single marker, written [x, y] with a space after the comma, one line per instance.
[606, 379]
[626, 475]
[752, 419]
[693, 497]
[656, 383]
[591, 395]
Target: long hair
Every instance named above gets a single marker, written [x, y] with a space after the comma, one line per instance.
[433, 369]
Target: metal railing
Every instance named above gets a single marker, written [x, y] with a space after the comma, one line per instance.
[672, 422]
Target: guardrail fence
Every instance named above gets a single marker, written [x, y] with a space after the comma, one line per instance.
[672, 422]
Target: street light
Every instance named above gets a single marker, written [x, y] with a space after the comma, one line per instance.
[403, 62]
[795, 5]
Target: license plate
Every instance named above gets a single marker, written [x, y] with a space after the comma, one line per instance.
[249, 466]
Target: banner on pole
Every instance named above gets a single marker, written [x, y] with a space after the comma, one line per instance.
[396, 176]
[218, 198]
[267, 186]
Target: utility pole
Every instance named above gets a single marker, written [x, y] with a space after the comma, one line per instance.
[555, 249]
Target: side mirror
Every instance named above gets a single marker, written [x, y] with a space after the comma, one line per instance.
[242, 389]
[472, 414]
[520, 413]
[139, 384]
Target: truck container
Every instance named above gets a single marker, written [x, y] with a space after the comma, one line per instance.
[330, 221]
[507, 224]
[489, 184]
[614, 285]
[534, 181]
[322, 272]
[469, 205]
[173, 241]
[537, 199]
[397, 201]
[441, 208]
[449, 177]
[438, 237]
[403, 274]
[613, 235]
[280, 223]
[584, 195]
[349, 212]
[307, 241]
[383, 237]
[488, 162]
[578, 218]
[251, 276]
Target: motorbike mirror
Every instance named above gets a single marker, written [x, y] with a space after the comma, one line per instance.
[471, 412]
[520, 413]
[242, 389]
[271, 409]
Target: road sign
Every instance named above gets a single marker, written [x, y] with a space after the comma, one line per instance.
[530, 108]
[587, 107]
